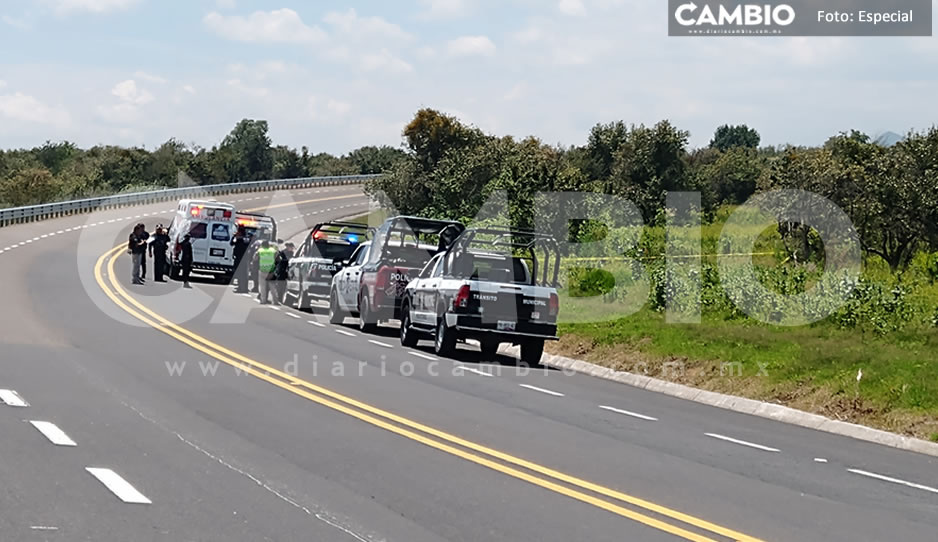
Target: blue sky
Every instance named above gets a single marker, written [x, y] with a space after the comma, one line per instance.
[338, 75]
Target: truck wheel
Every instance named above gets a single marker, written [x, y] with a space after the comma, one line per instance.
[531, 352]
[489, 348]
[336, 315]
[408, 333]
[367, 322]
[445, 341]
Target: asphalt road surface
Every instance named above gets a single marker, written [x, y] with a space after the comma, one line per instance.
[200, 415]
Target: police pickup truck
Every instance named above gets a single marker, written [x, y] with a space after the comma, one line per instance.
[495, 285]
[323, 253]
[371, 286]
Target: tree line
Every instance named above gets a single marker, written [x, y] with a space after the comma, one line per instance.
[59, 171]
[889, 192]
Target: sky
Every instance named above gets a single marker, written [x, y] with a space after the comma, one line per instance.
[334, 76]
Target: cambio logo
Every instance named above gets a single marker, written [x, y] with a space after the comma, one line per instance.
[742, 15]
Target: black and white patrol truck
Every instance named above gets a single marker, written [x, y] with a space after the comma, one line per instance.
[494, 285]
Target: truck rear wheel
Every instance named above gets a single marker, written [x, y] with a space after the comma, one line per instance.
[336, 315]
[531, 352]
[367, 322]
[445, 341]
[489, 348]
[408, 333]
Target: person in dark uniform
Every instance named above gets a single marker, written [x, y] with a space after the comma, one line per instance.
[241, 243]
[185, 259]
[282, 272]
[145, 236]
[158, 247]
[137, 248]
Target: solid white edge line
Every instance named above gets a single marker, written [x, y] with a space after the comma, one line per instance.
[743, 443]
[53, 433]
[628, 413]
[13, 399]
[422, 355]
[542, 390]
[315, 323]
[892, 480]
[118, 486]
[379, 343]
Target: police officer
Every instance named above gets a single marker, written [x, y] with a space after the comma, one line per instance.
[137, 247]
[185, 259]
[251, 257]
[158, 247]
[241, 243]
[144, 236]
[266, 265]
[282, 271]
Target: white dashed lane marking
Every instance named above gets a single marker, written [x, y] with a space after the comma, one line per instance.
[743, 443]
[379, 343]
[542, 390]
[13, 399]
[422, 355]
[891, 480]
[628, 413]
[291, 315]
[53, 433]
[346, 333]
[118, 486]
[315, 323]
[476, 371]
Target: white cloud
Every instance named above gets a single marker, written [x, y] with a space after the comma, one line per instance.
[189, 88]
[530, 34]
[516, 93]
[140, 74]
[128, 92]
[277, 26]
[257, 92]
[15, 22]
[338, 108]
[27, 108]
[226, 4]
[350, 24]
[63, 7]
[573, 8]
[444, 9]
[471, 46]
[124, 113]
[385, 61]
[2, 83]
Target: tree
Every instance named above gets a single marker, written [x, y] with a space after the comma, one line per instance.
[30, 187]
[727, 137]
[730, 177]
[247, 152]
[55, 156]
[431, 134]
[604, 143]
[287, 163]
[369, 160]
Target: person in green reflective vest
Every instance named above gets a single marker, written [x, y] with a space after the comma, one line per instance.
[266, 265]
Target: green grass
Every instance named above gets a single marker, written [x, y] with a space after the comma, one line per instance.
[813, 367]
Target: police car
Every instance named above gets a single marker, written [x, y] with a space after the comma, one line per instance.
[210, 225]
[323, 253]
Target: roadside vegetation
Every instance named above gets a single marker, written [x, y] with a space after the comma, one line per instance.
[58, 171]
[874, 360]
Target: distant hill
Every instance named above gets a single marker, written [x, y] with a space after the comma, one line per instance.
[888, 139]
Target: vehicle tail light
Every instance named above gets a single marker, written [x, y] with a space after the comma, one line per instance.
[227, 214]
[461, 301]
[319, 235]
[554, 305]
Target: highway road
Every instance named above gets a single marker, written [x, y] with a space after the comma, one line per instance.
[200, 415]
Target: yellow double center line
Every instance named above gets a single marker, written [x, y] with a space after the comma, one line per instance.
[510, 465]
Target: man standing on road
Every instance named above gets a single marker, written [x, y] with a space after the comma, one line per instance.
[282, 272]
[266, 265]
[241, 242]
[143, 258]
[137, 246]
[251, 257]
[158, 247]
[185, 259]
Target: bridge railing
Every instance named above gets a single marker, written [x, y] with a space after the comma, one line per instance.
[18, 215]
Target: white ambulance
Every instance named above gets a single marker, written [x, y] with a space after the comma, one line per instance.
[210, 225]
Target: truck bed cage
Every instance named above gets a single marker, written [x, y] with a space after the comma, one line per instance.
[515, 240]
[337, 226]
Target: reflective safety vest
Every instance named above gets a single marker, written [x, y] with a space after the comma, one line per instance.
[266, 259]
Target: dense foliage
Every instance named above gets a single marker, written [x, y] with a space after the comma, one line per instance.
[60, 171]
[890, 193]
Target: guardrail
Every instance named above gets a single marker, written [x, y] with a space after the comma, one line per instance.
[18, 215]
